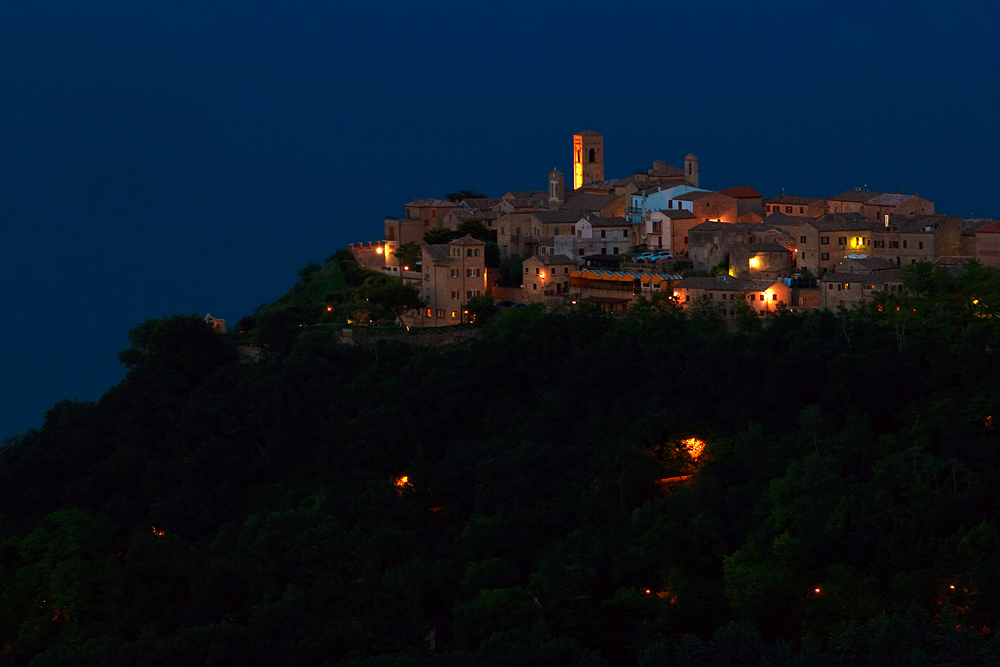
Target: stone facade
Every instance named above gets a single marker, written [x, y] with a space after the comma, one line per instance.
[453, 273]
[878, 206]
[711, 206]
[824, 242]
[546, 276]
[988, 245]
[724, 291]
[795, 206]
[909, 239]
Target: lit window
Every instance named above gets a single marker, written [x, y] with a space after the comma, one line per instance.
[454, 314]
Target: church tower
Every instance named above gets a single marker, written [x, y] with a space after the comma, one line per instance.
[588, 158]
[691, 169]
[557, 195]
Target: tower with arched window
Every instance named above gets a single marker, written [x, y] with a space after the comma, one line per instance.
[588, 158]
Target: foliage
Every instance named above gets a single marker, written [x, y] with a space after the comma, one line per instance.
[408, 254]
[481, 309]
[464, 194]
[207, 511]
[438, 235]
[475, 228]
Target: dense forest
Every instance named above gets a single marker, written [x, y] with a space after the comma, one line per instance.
[537, 495]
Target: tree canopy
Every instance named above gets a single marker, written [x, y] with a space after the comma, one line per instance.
[564, 488]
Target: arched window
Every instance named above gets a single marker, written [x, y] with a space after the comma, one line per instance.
[690, 168]
[591, 154]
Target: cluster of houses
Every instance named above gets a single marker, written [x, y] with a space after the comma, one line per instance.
[580, 244]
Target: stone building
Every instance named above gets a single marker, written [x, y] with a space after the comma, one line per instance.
[988, 245]
[767, 260]
[909, 239]
[588, 158]
[546, 276]
[724, 291]
[453, 273]
[856, 280]
[710, 206]
[825, 241]
[748, 201]
[811, 207]
[878, 206]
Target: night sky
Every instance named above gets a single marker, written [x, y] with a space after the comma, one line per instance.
[190, 156]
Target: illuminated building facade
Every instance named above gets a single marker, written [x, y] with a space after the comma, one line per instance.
[588, 158]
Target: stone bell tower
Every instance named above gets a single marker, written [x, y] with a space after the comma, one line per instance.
[588, 158]
[691, 169]
[557, 196]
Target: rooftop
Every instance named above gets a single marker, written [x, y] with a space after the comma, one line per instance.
[789, 199]
[741, 192]
[858, 196]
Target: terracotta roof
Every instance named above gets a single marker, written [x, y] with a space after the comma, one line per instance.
[676, 213]
[481, 202]
[466, 240]
[440, 253]
[609, 222]
[992, 228]
[589, 133]
[526, 194]
[741, 192]
[693, 196]
[439, 203]
[526, 203]
[889, 199]
[953, 260]
[856, 196]
[665, 170]
[789, 199]
[583, 201]
[870, 263]
[919, 224]
[971, 225]
[839, 222]
[787, 220]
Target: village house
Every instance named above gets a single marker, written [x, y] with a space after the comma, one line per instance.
[810, 207]
[614, 291]
[748, 201]
[723, 291]
[603, 236]
[856, 280]
[909, 239]
[988, 245]
[767, 260]
[878, 206]
[711, 242]
[453, 273]
[825, 241]
[546, 276]
[520, 233]
[710, 206]
[967, 243]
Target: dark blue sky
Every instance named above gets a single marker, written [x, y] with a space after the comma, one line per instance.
[190, 156]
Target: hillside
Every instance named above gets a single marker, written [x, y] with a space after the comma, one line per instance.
[535, 496]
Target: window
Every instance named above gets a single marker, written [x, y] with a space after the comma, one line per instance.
[392, 233]
[429, 313]
[565, 269]
[893, 244]
[687, 297]
[454, 314]
[468, 252]
[603, 234]
[685, 240]
[802, 239]
[434, 213]
[904, 244]
[591, 155]
[534, 285]
[454, 294]
[427, 223]
[472, 273]
[579, 233]
[840, 286]
[440, 314]
[824, 255]
[468, 294]
[842, 240]
[555, 232]
[454, 273]
[711, 295]
[536, 271]
[920, 245]
[503, 230]
[581, 252]
[723, 296]
[774, 297]
[830, 287]
[604, 251]
[788, 209]
[763, 297]
[824, 240]
[615, 249]
[752, 296]
[802, 210]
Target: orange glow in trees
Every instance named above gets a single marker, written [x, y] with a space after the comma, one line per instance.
[694, 447]
[158, 532]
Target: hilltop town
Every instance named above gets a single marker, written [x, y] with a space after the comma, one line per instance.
[609, 242]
